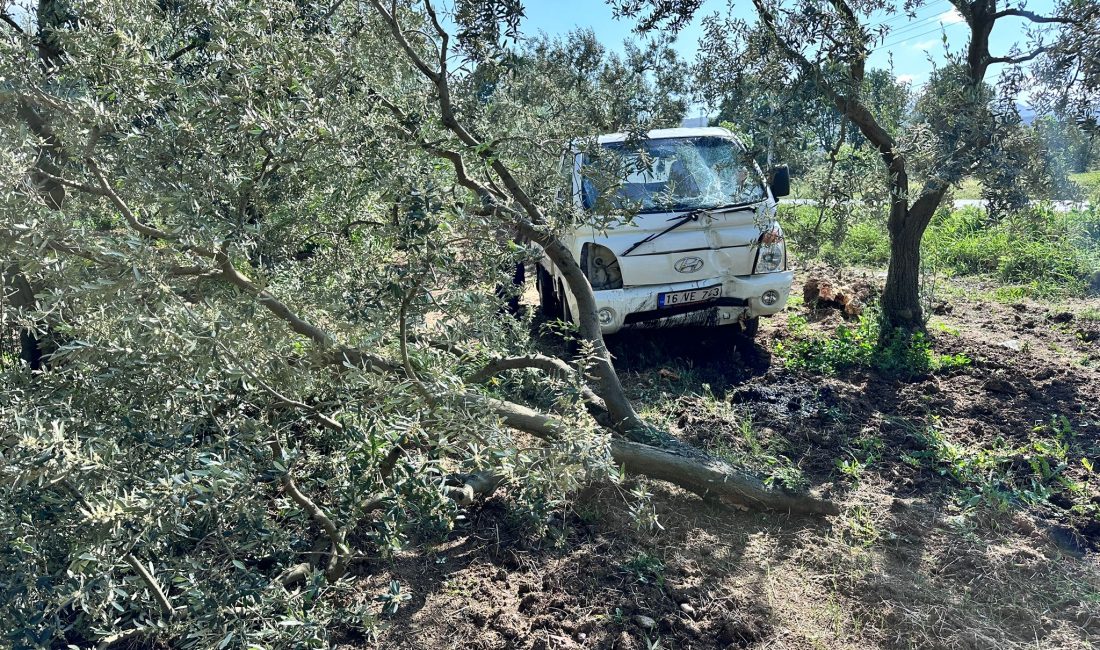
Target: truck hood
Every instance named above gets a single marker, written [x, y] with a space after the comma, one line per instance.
[725, 243]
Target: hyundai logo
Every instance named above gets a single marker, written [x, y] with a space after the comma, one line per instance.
[688, 264]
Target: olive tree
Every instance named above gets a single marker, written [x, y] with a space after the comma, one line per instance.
[267, 241]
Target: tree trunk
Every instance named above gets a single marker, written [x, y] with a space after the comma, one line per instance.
[19, 294]
[901, 297]
[624, 418]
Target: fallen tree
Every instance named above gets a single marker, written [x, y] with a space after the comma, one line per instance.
[274, 264]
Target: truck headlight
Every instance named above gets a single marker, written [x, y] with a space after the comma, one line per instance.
[771, 258]
[601, 267]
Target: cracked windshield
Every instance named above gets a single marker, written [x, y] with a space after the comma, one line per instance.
[678, 174]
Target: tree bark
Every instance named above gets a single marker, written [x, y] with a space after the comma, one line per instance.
[901, 297]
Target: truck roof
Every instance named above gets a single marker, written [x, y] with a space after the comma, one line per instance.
[657, 134]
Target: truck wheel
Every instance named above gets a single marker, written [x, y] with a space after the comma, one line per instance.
[565, 313]
[750, 326]
[548, 300]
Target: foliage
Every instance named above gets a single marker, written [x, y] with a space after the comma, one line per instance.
[585, 89]
[1054, 249]
[867, 345]
[1069, 70]
[263, 283]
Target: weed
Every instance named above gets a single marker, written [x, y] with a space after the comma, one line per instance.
[785, 474]
[393, 598]
[867, 449]
[940, 326]
[851, 468]
[868, 344]
[646, 569]
[1001, 473]
[860, 528]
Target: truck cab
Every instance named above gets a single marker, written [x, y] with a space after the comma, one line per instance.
[688, 233]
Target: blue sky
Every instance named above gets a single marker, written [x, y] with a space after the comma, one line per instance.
[912, 42]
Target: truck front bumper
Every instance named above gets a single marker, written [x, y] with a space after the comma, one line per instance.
[634, 307]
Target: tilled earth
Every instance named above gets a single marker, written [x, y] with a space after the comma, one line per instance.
[905, 564]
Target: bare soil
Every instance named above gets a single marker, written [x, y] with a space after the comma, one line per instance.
[905, 564]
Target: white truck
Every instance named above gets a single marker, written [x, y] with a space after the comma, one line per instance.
[703, 246]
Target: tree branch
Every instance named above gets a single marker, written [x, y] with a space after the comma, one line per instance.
[1034, 17]
[550, 365]
[14, 25]
[88, 189]
[128, 557]
[682, 465]
[341, 553]
[150, 582]
[183, 50]
[1013, 60]
[528, 222]
[283, 399]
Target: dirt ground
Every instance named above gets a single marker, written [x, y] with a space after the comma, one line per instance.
[905, 564]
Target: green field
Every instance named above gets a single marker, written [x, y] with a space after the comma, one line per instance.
[1089, 182]
[971, 188]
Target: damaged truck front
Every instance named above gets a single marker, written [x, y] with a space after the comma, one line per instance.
[680, 230]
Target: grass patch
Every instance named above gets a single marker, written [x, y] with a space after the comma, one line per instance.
[941, 326]
[866, 345]
[1042, 252]
[1035, 253]
[1089, 182]
[747, 446]
[1000, 474]
[971, 188]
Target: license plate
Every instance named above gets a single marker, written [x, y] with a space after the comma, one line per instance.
[702, 294]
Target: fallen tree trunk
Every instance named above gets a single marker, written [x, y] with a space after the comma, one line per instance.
[674, 462]
[677, 463]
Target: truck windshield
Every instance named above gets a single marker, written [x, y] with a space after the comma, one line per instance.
[671, 174]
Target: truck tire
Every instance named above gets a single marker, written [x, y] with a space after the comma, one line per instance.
[548, 300]
[750, 327]
[564, 313]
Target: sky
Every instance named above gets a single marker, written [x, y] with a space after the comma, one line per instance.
[909, 50]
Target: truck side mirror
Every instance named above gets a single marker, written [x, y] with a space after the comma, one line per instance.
[780, 181]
